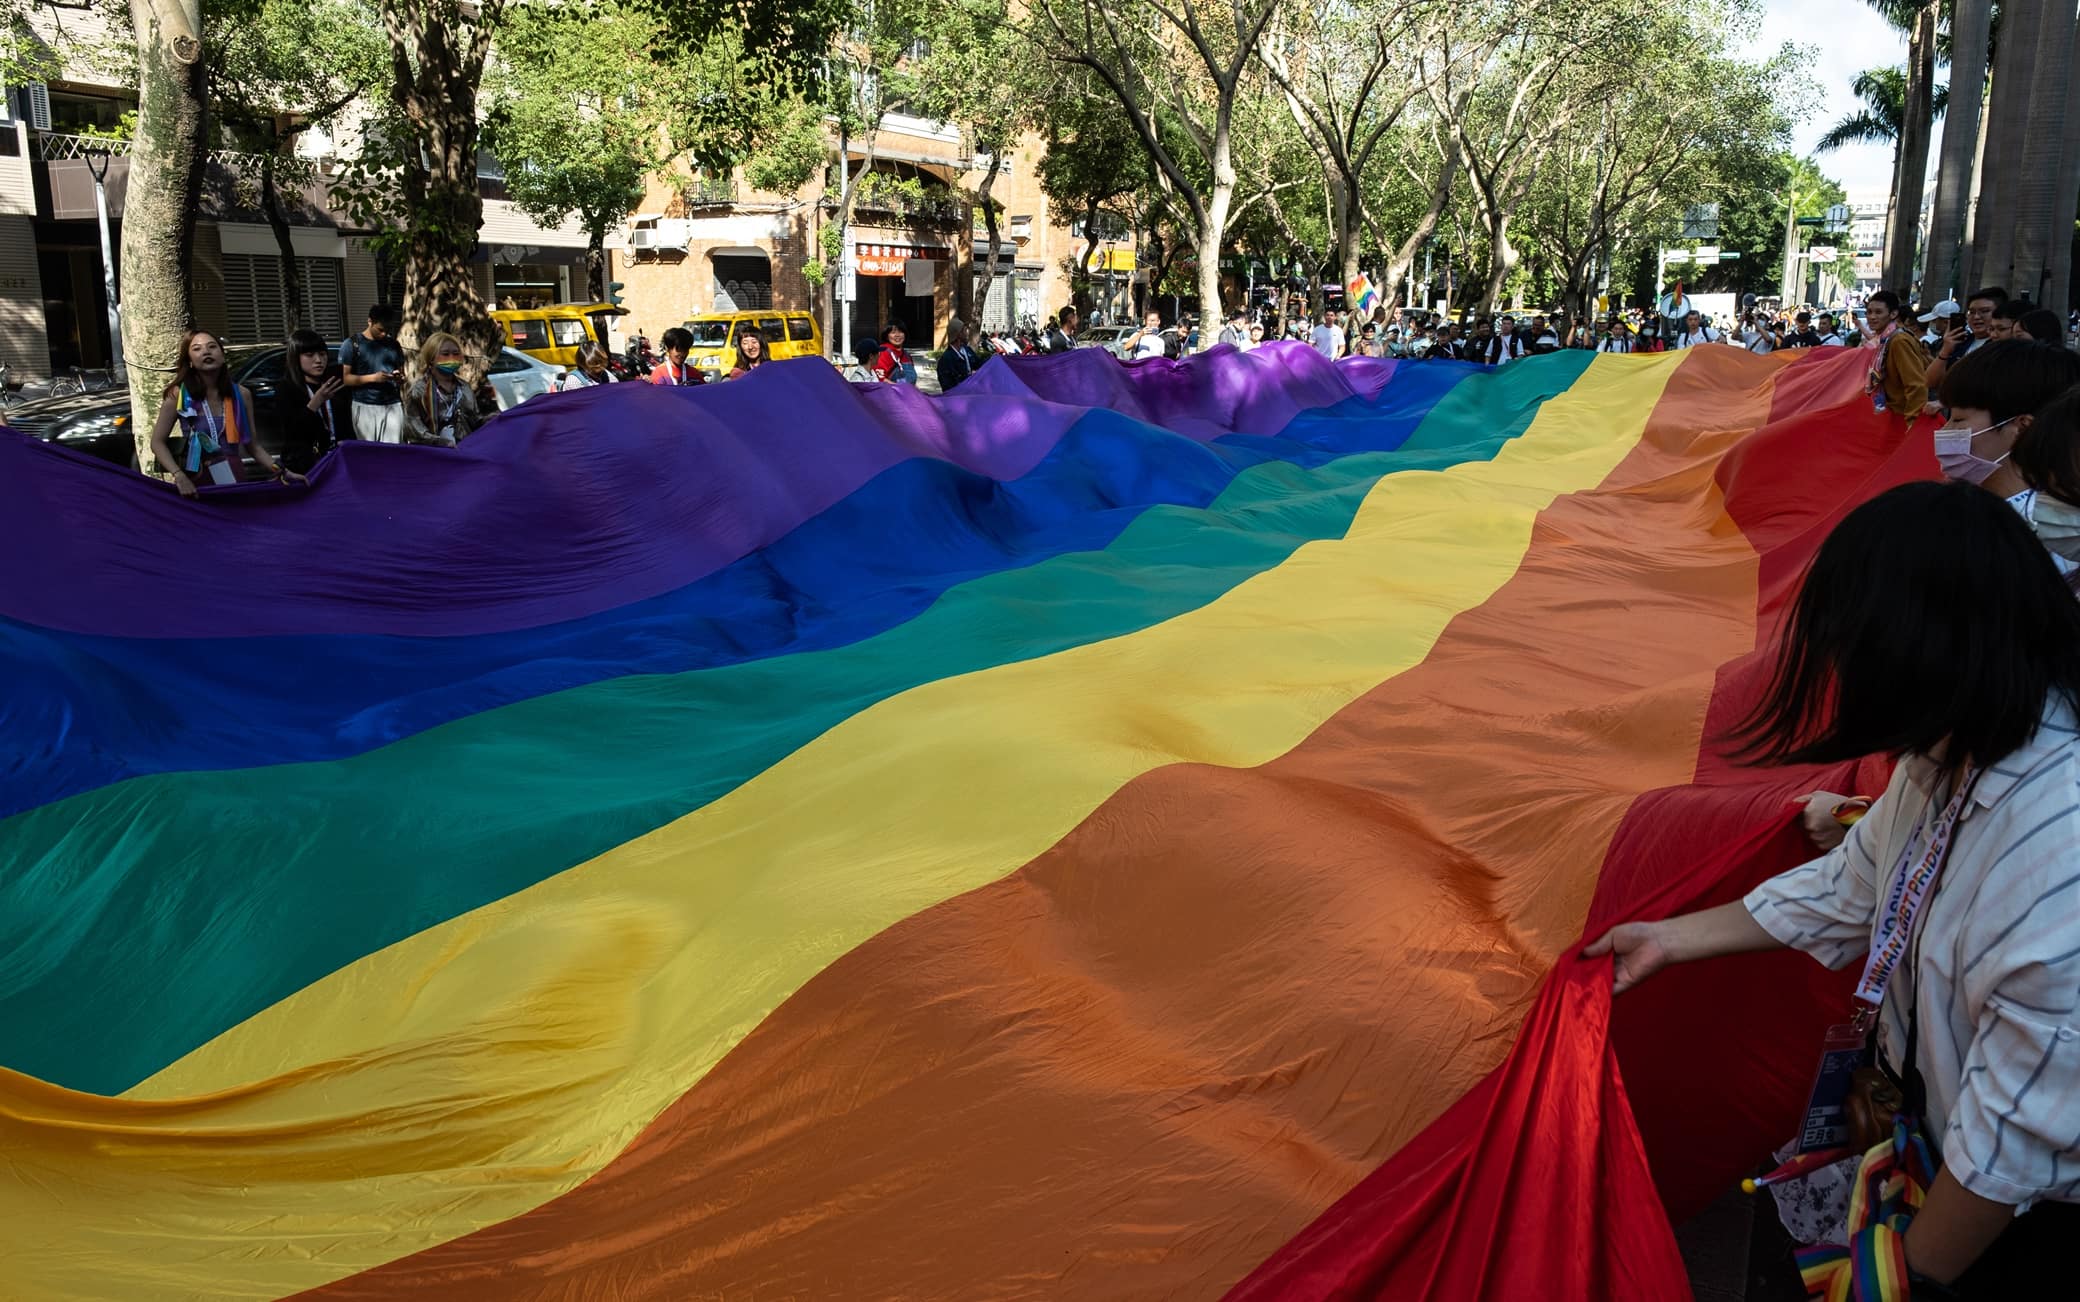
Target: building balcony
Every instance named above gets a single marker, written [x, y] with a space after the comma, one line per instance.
[66, 164]
[929, 213]
[68, 167]
[710, 192]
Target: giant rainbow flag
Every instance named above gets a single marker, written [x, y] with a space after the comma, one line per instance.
[1114, 832]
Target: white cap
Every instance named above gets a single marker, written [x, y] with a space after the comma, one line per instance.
[1948, 307]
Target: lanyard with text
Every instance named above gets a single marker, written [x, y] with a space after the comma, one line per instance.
[1903, 900]
[1845, 1050]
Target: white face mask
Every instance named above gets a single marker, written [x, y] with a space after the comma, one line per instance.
[1954, 454]
[2057, 525]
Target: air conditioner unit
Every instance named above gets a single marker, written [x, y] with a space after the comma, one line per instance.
[664, 235]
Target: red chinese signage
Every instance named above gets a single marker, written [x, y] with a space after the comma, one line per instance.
[888, 259]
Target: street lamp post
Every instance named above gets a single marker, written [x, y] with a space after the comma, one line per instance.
[97, 164]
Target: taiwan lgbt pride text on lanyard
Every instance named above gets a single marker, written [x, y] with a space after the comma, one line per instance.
[1848, 1046]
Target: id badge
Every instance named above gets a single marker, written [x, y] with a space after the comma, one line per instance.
[1826, 1123]
[220, 472]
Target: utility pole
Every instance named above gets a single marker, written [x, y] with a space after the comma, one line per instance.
[1790, 281]
[97, 164]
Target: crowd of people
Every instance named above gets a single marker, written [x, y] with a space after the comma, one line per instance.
[1497, 339]
[364, 389]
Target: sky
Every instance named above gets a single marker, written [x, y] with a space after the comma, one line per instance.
[1845, 36]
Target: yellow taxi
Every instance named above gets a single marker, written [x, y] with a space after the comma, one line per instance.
[552, 334]
[787, 334]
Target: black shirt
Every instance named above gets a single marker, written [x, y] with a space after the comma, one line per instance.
[365, 356]
[955, 365]
[306, 434]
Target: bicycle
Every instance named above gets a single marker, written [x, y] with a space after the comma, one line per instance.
[83, 380]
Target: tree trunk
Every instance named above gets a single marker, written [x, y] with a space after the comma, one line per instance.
[437, 57]
[1970, 23]
[2038, 204]
[2059, 264]
[989, 224]
[1914, 123]
[596, 263]
[1403, 268]
[166, 158]
[1968, 248]
[1502, 259]
[2007, 117]
[1218, 205]
[1343, 211]
[1578, 294]
[1079, 279]
[284, 246]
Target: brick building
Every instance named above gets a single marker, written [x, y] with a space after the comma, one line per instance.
[719, 245]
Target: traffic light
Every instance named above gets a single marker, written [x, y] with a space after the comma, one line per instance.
[614, 288]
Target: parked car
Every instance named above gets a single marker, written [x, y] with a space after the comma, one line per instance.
[516, 377]
[553, 333]
[787, 334]
[1110, 338]
[98, 424]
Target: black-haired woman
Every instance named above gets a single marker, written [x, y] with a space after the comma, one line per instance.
[1932, 627]
[312, 404]
[892, 364]
[2041, 324]
[1992, 394]
[590, 371]
[751, 354]
[2047, 456]
[216, 420]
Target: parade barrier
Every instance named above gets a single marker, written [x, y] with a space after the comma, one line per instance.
[1112, 832]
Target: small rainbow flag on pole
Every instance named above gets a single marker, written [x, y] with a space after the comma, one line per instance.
[1364, 295]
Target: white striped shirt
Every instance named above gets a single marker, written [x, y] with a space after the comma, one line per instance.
[1998, 970]
[2025, 504]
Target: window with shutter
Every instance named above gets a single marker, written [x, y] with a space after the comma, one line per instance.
[324, 297]
[241, 298]
[253, 298]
